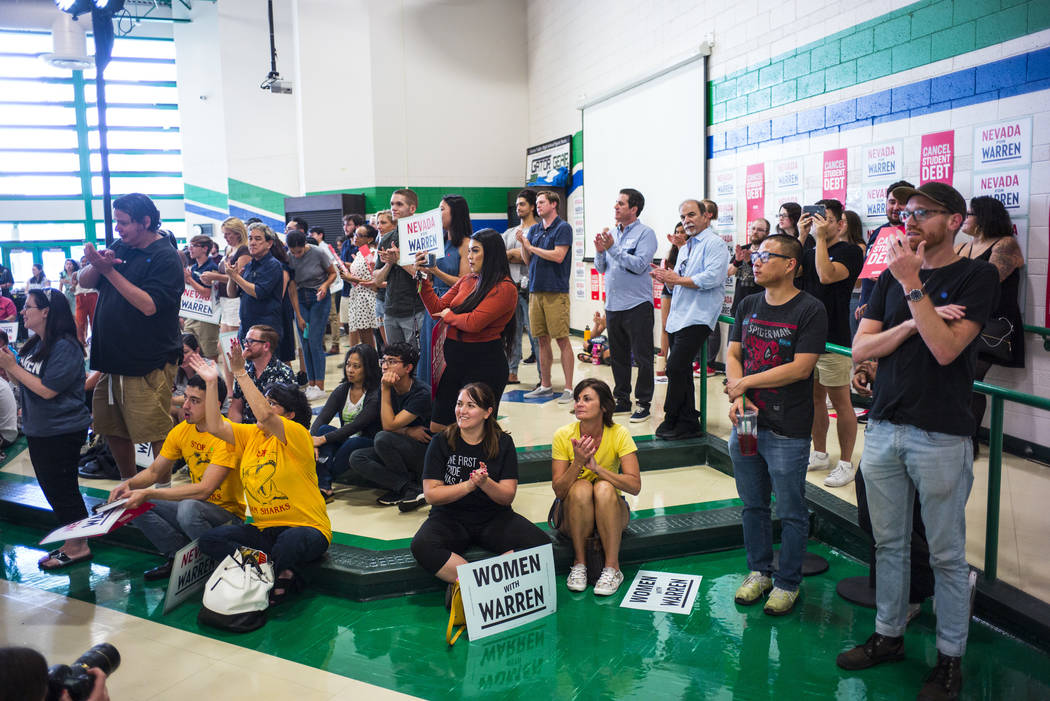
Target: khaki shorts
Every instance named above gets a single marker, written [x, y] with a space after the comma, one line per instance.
[207, 335]
[136, 408]
[549, 314]
[833, 370]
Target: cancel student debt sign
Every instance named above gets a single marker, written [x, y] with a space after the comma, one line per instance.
[421, 233]
[508, 591]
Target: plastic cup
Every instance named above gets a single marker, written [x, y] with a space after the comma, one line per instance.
[747, 431]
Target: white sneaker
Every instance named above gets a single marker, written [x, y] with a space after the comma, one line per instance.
[818, 461]
[842, 475]
[566, 397]
[313, 392]
[608, 582]
[539, 393]
[577, 580]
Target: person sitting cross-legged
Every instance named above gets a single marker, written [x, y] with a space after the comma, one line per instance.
[395, 460]
[183, 513]
[593, 460]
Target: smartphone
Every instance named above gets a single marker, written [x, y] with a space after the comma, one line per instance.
[431, 260]
[817, 209]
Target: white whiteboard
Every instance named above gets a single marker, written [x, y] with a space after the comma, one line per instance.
[649, 137]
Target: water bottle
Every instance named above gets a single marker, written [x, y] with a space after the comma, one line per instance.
[586, 334]
[306, 331]
[596, 354]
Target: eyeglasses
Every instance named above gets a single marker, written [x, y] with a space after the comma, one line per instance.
[783, 215]
[921, 214]
[764, 256]
[26, 306]
[250, 341]
[390, 361]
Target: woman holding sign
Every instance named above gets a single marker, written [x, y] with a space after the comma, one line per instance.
[593, 460]
[470, 476]
[55, 418]
[479, 310]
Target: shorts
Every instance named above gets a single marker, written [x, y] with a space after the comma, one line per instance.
[344, 311]
[231, 311]
[833, 370]
[136, 408]
[549, 314]
[207, 335]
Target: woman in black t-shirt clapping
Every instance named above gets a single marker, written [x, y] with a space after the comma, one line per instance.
[470, 476]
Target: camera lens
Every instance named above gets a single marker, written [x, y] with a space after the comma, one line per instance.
[104, 656]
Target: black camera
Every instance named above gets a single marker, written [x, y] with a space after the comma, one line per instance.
[75, 679]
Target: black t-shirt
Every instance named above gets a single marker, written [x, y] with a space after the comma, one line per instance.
[416, 400]
[124, 341]
[911, 387]
[770, 336]
[453, 466]
[836, 296]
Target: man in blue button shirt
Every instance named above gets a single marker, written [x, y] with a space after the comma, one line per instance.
[546, 251]
[625, 259]
[697, 284]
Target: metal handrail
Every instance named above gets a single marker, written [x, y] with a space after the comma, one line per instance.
[999, 395]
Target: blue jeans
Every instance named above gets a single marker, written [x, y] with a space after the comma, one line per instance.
[315, 313]
[172, 525]
[289, 547]
[900, 460]
[521, 326]
[334, 458]
[778, 468]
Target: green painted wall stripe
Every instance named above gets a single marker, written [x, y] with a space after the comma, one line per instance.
[480, 199]
[212, 198]
[577, 149]
[255, 196]
[916, 35]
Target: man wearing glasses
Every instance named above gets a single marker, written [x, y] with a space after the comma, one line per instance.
[258, 349]
[207, 334]
[774, 345]
[395, 460]
[918, 437]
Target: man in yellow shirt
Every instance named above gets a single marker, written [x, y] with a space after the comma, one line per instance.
[214, 497]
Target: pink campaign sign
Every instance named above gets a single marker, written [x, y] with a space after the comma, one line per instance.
[755, 191]
[833, 179]
[937, 158]
[876, 260]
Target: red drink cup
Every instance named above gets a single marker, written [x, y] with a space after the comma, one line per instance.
[747, 432]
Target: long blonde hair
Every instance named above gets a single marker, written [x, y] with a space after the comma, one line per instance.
[236, 226]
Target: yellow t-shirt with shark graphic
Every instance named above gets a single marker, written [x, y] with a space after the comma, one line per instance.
[280, 479]
[201, 449]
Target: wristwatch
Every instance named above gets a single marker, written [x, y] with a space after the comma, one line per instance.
[915, 295]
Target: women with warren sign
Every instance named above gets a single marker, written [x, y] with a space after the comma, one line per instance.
[594, 460]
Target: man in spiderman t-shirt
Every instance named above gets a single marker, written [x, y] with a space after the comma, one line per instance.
[773, 347]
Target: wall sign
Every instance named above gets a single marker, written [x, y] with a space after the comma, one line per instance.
[1003, 144]
[883, 161]
[787, 174]
[755, 190]
[833, 178]
[873, 200]
[937, 158]
[1008, 186]
[725, 185]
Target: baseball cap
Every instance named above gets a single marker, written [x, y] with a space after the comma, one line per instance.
[944, 195]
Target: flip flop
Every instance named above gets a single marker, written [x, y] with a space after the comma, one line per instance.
[63, 560]
[289, 586]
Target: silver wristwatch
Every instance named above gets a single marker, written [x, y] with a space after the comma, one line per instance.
[915, 295]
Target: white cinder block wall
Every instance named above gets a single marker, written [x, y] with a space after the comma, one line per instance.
[589, 47]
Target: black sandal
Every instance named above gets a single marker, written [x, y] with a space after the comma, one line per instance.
[288, 586]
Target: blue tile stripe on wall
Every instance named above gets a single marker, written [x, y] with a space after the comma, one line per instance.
[1008, 77]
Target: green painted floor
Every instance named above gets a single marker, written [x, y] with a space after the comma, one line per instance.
[591, 649]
